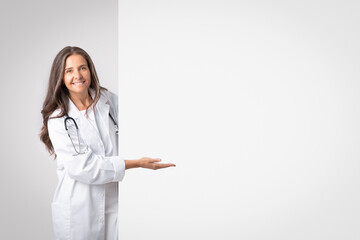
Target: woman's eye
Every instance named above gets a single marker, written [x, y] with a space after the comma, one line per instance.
[83, 68]
[68, 71]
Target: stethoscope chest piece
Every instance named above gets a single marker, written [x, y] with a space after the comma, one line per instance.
[115, 124]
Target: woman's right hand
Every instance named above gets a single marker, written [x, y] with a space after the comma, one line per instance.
[146, 162]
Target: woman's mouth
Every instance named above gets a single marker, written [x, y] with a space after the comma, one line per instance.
[78, 83]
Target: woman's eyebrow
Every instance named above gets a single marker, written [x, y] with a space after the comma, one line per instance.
[79, 66]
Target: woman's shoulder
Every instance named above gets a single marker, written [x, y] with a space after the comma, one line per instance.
[55, 114]
[55, 121]
[109, 95]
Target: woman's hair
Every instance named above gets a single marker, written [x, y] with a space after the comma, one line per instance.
[57, 96]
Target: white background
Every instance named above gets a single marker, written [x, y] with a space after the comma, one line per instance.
[32, 33]
[257, 102]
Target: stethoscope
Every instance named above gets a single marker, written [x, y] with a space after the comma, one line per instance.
[77, 132]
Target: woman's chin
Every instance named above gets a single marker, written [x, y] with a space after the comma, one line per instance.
[79, 90]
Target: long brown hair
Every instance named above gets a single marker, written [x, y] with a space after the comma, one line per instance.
[57, 96]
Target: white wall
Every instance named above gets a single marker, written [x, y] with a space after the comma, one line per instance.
[257, 102]
[32, 33]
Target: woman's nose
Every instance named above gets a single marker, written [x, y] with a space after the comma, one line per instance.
[77, 74]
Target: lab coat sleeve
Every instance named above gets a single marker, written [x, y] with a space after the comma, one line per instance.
[87, 168]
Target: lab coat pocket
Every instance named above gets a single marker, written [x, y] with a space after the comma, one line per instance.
[61, 220]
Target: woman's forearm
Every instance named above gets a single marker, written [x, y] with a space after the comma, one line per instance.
[131, 164]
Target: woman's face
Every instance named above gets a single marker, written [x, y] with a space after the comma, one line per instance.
[77, 77]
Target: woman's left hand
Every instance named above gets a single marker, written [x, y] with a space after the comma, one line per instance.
[149, 163]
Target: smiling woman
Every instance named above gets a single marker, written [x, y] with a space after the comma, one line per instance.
[80, 129]
[77, 79]
[77, 74]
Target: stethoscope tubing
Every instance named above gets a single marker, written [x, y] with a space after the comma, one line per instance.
[77, 128]
[68, 118]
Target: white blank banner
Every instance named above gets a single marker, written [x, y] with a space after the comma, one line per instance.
[258, 105]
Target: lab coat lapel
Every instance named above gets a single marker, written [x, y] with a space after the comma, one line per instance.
[73, 110]
[103, 107]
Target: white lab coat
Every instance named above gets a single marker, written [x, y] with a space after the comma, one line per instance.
[78, 206]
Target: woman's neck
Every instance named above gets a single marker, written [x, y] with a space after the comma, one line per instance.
[81, 101]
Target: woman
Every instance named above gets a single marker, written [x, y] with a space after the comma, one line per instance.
[80, 129]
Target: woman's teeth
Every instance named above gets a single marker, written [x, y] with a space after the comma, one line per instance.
[79, 83]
